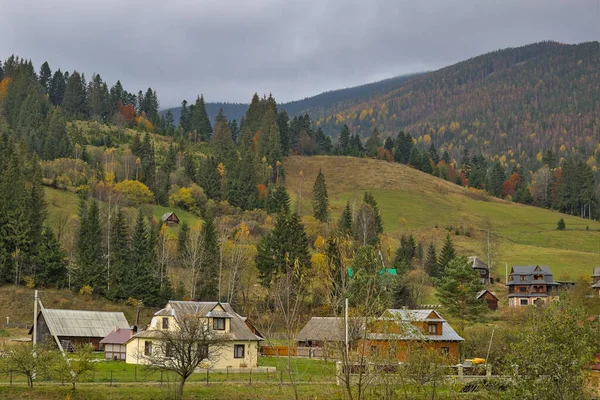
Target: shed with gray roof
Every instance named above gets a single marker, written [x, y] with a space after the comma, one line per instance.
[73, 327]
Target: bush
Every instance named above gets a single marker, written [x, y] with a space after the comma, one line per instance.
[561, 225]
[134, 193]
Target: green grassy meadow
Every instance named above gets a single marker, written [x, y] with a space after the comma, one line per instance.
[411, 201]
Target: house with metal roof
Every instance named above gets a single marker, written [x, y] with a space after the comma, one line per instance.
[529, 285]
[482, 268]
[397, 329]
[392, 333]
[239, 343]
[114, 343]
[72, 327]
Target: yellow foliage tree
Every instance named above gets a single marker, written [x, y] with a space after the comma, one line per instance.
[134, 193]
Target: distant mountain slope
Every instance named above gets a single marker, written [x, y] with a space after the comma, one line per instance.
[518, 99]
[355, 94]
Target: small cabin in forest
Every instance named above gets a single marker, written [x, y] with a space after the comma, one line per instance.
[489, 297]
[170, 218]
[73, 327]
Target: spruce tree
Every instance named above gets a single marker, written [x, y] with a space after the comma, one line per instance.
[284, 131]
[235, 130]
[447, 254]
[320, 199]
[208, 285]
[89, 253]
[432, 267]
[278, 201]
[74, 100]
[120, 255]
[496, 179]
[284, 246]
[345, 221]
[269, 145]
[405, 254]
[45, 76]
[388, 144]
[209, 178]
[57, 144]
[222, 140]
[52, 261]
[200, 123]
[373, 143]
[370, 200]
[56, 88]
[433, 154]
[344, 141]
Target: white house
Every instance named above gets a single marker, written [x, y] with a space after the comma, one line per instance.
[240, 347]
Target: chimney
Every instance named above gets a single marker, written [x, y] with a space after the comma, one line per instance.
[116, 329]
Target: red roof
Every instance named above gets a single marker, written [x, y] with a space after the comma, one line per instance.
[119, 336]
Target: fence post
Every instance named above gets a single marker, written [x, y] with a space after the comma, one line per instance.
[461, 372]
[227, 368]
[111, 377]
[251, 377]
[135, 373]
[488, 370]
[207, 377]
[267, 374]
[161, 378]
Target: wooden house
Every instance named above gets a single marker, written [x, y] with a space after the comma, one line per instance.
[529, 285]
[489, 297]
[596, 280]
[482, 268]
[114, 343]
[397, 329]
[240, 347]
[170, 218]
[72, 327]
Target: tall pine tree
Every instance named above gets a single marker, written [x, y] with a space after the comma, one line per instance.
[320, 199]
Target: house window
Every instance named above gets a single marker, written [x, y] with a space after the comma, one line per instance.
[165, 323]
[522, 289]
[203, 351]
[445, 351]
[523, 302]
[432, 329]
[169, 350]
[238, 351]
[219, 324]
[523, 278]
[147, 348]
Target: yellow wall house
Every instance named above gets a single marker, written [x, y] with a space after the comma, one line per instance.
[237, 349]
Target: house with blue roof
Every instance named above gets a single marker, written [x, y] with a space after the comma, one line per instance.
[528, 285]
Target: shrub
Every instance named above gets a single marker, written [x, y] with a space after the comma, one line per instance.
[134, 193]
[561, 225]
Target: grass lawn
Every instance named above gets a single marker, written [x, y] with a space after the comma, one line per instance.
[411, 201]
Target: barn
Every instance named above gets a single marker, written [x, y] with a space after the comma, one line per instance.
[73, 327]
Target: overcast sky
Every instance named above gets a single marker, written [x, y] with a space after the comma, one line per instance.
[229, 49]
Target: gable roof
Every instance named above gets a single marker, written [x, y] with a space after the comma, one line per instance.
[167, 215]
[119, 336]
[323, 329]
[404, 317]
[476, 263]
[482, 292]
[209, 309]
[82, 323]
[528, 272]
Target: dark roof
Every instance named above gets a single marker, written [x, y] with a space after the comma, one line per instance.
[79, 323]
[410, 332]
[482, 292]
[476, 263]
[528, 272]
[119, 336]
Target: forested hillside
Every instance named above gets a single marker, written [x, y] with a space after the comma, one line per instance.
[514, 103]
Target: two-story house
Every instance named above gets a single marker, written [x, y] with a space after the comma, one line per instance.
[396, 329]
[530, 285]
[482, 268]
[239, 347]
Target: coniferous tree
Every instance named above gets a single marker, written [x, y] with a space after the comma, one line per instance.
[388, 144]
[57, 143]
[405, 254]
[142, 283]
[208, 286]
[404, 147]
[120, 255]
[90, 254]
[373, 143]
[182, 239]
[282, 248]
[209, 178]
[433, 154]
[235, 130]
[243, 179]
[222, 140]
[446, 157]
[45, 76]
[370, 200]
[344, 141]
[432, 267]
[269, 145]
[98, 98]
[320, 198]
[254, 115]
[447, 254]
[52, 261]
[74, 100]
[284, 131]
[185, 118]
[345, 221]
[36, 209]
[414, 159]
[200, 123]
[496, 179]
[278, 201]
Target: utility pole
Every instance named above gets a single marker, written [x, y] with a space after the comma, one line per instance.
[35, 312]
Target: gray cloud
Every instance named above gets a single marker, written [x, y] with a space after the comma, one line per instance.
[229, 49]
